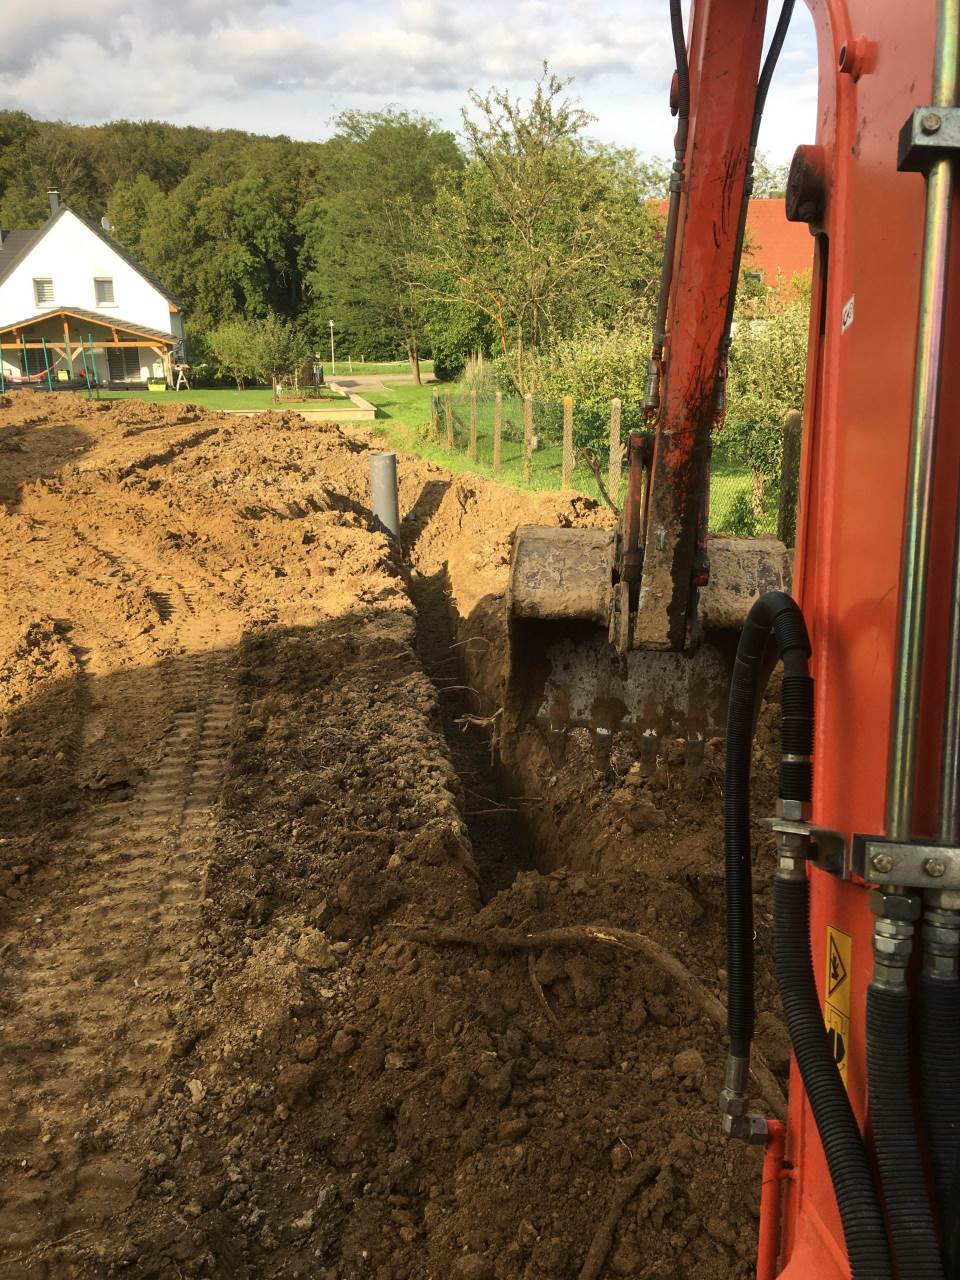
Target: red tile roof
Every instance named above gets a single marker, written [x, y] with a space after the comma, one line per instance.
[776, 247]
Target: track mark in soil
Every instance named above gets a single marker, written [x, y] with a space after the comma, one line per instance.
[92, 982]
[501, 844]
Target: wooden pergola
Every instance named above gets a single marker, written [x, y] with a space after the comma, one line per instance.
[74, 339]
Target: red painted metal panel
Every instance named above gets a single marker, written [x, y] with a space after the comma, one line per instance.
[857, 432]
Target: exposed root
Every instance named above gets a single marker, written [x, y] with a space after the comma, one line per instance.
[498, 939]
[539, 992]
[39, 1250]
[602, 1240]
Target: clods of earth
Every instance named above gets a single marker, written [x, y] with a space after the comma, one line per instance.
[297, 980]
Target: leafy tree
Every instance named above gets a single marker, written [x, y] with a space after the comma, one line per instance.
[129, 207]
[595, 366]
[280, 348]
[541, 231]
[234, 346]
[769, 178]
[357, 235]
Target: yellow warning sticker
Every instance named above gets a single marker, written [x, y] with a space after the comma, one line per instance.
[836, 1005]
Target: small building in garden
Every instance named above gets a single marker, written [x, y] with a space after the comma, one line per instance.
[76, 309]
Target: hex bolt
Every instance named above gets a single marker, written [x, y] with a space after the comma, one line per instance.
[882, 862]
[930, 122]
[935, 867]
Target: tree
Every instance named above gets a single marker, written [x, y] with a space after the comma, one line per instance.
[769, 178]
[358, 234]
[129, 208]
[280, 348]
[596, 365]
[542, 230]
[234, 346]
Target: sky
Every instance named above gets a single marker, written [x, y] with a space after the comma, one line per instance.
[290, 66]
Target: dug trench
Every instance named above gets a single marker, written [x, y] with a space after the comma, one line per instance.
[299, 978]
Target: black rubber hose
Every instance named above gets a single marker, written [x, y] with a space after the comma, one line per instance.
[939, 1000]
[950, 1228]
[857, 1201]
[680, 54]
[773, 613]
[895, 1134]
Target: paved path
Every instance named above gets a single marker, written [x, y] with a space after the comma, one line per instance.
[375, 382]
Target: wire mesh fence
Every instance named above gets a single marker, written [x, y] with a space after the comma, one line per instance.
[545, 445]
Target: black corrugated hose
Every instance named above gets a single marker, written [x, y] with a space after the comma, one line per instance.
[863, 1228]
[939, 1000]
[773, 613]
[777, 614]
[895, 1133]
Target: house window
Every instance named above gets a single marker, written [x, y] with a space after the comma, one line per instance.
[42, 292]
[104, 290]
[124, 364]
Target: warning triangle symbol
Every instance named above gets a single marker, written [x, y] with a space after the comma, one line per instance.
[837, 974]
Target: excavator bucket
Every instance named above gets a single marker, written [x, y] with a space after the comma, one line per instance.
[572, 661]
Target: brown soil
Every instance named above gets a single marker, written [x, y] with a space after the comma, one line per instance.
[247, 746]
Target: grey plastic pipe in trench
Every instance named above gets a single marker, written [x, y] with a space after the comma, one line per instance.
[383, 489]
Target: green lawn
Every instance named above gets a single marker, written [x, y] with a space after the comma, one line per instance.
[220, 398]
[404, 410]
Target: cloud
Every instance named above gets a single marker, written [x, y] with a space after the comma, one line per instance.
[284, 66]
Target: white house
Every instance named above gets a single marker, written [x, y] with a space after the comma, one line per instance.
[75, 307]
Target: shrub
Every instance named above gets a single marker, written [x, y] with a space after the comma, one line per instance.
[233, 346]
[596, 366]
[766, 380]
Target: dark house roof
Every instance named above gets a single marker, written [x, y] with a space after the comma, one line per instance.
[13, 247]
[16, 245]
[94, 317]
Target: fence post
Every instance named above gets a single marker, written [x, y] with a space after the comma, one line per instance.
[473, 425]
[448, 417]
[527, 437]
[434, 419]
[789, 479]
[567, 470]
[497, 428]
[615, 461]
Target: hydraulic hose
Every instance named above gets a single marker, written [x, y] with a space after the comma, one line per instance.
[863, 1228]
[680, 54]
[939, 1004]
[773, 613]
[895, 1134]
[776, 614]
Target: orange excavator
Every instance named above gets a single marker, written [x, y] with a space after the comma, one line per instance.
[630, 628]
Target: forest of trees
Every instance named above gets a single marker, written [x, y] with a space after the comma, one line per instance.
[519, 234]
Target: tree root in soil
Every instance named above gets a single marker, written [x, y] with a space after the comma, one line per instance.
[539, 992]
[602, 1241]
[498, 939]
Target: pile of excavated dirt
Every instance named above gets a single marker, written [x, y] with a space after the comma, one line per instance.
[297, 980]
